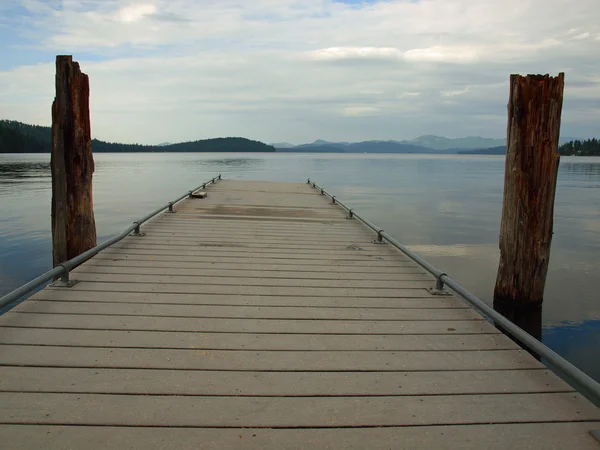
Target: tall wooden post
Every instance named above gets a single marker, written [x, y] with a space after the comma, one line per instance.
[72, 164]
[534, 111]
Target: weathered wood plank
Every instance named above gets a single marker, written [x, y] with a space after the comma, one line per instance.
[42, 408]
[424, 301]
[200, 230]
[535, 436]
[203, 272]
[267, 246]
[259, 259]
[260, 219]
[255, 312]
[173, 288]
[328, 270]
[184, 340]
[218, 325]
[339, 255]
[263, 360]
[252, 341]
[189, 382]
[416, 281]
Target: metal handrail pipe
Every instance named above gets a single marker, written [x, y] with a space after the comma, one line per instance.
[30, 286]
[416, 258]
[62, 270]
[74, 262]
[585, 384]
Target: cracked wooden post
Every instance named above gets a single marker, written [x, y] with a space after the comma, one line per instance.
[532, 160]
[72, 164]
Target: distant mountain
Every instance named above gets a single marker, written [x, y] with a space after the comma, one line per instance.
[282, 145]
[360, 147]
[164, 144]
[443, 143]
[17, 137]
[312, 149]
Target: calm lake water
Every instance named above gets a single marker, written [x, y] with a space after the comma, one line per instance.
[447, 208]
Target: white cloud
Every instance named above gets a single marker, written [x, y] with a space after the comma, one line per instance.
[582, 36]
[408, 94]
[456, 92]
[442, 54]
[353, 111]
[135, 12]
[290, 70]
[338, 53]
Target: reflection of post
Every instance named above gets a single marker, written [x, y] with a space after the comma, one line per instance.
[534, 111]
[72, 164]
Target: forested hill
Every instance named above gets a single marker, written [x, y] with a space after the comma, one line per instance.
[17, 137]
[589, 147]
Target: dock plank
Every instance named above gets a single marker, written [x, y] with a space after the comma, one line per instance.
[548, 436]
[252, 341]
[331, 412]
[244, 312]
[260, 317]
[275, 384]
[265, 360]
[245, 325]
[406, 299]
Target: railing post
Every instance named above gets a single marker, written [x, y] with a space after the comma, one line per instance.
[64, 281]
[380, 237]
[171, 210]
[439, 286]
[333, 200]
[350, 214]
[136, 230]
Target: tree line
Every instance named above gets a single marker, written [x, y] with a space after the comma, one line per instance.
[589, 147]
[17, 137]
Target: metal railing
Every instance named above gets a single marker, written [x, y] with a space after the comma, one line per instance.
[574, 376]
[62, 270]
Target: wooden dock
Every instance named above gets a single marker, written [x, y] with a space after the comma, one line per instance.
[259, 317]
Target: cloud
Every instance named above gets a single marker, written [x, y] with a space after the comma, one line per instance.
[455, 93]
[339, 53]
[408, 94]
[581, 36]
[135, 12]
[354, 111]
[442, 54]
[285, 70]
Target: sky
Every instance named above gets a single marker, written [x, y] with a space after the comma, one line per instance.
[299, 70]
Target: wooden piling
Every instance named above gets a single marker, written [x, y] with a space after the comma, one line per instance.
[72, 164]
[532, 160]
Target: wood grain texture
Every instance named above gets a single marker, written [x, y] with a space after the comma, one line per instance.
[532, 160]
[72, 164]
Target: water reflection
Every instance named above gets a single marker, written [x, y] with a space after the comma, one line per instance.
[577, 342]
[528, 317]
[225, 163]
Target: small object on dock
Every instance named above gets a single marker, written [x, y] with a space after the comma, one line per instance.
[198, 194]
